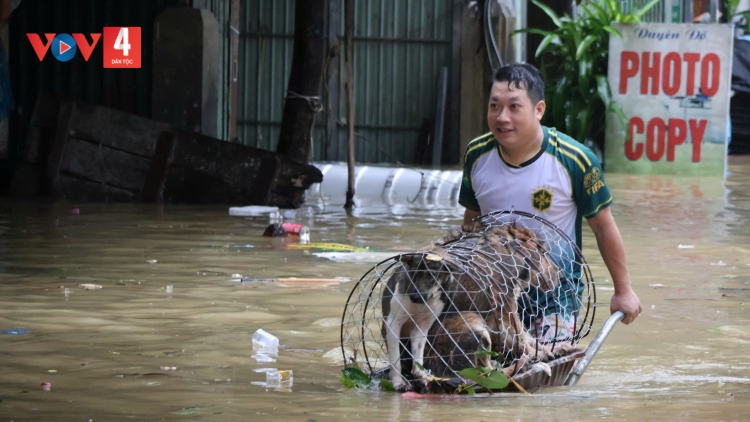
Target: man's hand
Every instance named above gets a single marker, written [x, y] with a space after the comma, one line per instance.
[470, 215]
[628, 303]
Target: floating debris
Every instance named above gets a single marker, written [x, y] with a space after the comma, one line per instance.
[15, 331]
[719, 264]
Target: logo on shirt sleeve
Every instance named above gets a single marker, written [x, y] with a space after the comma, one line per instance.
[541, 199]
[592, 181]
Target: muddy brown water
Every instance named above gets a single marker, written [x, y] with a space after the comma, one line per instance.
[103, 350]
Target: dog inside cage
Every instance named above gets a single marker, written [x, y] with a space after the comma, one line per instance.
[501, 293]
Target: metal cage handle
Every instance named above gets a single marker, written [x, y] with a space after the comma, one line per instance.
[594, 347]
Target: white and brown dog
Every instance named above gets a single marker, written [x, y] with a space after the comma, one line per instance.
[432, 288]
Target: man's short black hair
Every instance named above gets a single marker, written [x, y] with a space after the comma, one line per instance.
[523, 76]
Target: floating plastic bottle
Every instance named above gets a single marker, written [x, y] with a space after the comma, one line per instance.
[304, 234]
[265, 339]
[276, 378]
[300, 230]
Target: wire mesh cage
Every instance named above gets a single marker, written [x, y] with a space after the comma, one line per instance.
[509, 291]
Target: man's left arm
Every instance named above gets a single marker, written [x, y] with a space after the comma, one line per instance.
[612, 249]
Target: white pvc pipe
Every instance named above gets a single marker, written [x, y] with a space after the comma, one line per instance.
[391, 185]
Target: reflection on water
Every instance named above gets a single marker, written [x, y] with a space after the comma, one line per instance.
[103, 350]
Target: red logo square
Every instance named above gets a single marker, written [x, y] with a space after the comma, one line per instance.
[122, 47]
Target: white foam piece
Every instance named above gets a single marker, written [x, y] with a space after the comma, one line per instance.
[369, 257]
[251, 210]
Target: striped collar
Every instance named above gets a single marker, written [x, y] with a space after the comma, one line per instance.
[531, 160]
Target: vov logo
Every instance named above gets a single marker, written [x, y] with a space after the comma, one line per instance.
[122, 46]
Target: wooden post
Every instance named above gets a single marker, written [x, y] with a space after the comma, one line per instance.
[349, 36]
[302, 100]
[333, 82]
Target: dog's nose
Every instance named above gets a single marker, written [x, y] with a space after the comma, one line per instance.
[416, 297]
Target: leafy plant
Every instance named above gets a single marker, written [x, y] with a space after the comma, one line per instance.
[484, 353]
[386, 385]
[574, 58]
[352, 377]
[489, 378]
[746, 15]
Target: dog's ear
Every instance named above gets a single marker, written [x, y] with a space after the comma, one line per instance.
[406, 259]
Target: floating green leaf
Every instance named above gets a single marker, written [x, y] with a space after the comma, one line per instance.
[493, 381]
[419, 365]
[470, 373]
[359, 378]
[490, 379]
[470, 391]
[346, 381]
[386, 385]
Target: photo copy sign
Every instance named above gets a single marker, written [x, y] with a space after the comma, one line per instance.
[672, 81]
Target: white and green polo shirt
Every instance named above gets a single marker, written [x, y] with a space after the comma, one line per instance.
[562, 183]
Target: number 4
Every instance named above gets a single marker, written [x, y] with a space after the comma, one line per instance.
[121, 43]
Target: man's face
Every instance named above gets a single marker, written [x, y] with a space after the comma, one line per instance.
[511, 116]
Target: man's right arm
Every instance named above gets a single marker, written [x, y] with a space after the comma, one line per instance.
[470, 215]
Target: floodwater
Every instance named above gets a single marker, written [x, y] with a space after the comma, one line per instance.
[684, 358]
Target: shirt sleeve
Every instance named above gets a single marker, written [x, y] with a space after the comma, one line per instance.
[467, 197]
[593, 195]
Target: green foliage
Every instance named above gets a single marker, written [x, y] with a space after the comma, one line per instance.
[346, 381]
[386, 385]
[489, 378]
[484, 353]
[354, 377]
[746, 15]
[732, 6]
[574, 58]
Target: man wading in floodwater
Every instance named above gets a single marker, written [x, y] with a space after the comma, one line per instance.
[523, 166]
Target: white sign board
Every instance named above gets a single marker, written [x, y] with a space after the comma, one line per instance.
[672, 81]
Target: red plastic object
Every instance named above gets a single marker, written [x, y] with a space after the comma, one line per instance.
[292, 228]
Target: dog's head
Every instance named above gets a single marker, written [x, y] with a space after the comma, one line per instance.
[457, 342]
[425, 275]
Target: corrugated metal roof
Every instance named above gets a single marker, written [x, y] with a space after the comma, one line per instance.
[400, 47]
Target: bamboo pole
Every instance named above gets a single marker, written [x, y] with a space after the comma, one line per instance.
[349, 41]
